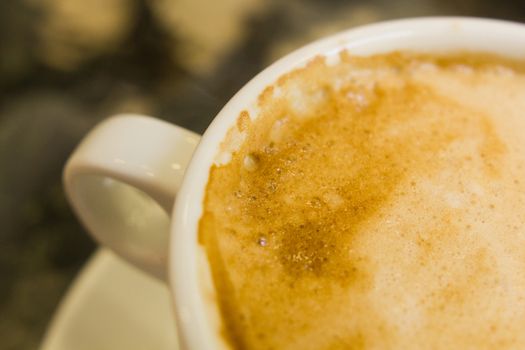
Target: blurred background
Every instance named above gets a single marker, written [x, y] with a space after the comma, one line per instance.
[67, 64]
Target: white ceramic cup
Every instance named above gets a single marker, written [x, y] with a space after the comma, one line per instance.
[123, 178]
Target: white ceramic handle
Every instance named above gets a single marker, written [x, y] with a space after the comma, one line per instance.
[122, 180]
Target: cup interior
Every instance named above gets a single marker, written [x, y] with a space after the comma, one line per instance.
[190, 279]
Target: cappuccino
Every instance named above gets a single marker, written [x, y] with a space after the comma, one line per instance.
[374, 202]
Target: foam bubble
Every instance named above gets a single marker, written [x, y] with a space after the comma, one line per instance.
[276, 131]
[251, 162]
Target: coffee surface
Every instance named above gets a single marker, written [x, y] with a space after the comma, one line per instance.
[375, 203]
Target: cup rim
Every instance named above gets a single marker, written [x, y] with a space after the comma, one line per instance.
[185, 278]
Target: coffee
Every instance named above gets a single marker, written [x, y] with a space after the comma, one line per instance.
[374, 202]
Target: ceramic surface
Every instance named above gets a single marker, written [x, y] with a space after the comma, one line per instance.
[112, 305]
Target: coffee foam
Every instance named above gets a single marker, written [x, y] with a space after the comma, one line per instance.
[375, 203]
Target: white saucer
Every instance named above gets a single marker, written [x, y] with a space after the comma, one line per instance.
[111, 305]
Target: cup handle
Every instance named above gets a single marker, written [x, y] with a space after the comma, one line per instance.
[122, 180]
